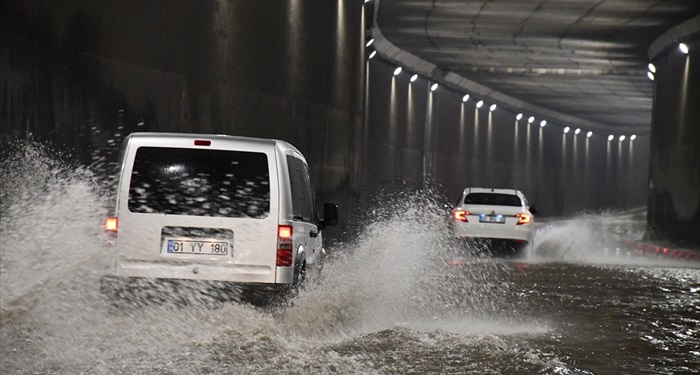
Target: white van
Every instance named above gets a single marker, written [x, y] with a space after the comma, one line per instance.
[214, 208]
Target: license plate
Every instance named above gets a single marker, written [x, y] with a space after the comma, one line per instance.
[500, 219]
[198, 247]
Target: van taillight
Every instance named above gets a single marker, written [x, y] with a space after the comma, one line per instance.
[461, 216]
[111, 224]
[285, 254]
[202, 142]
[523, 218]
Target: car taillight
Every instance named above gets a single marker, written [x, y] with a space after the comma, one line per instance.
[111, 224]
[523, 218]
[202, 142]
[285, 253]
[461, 216]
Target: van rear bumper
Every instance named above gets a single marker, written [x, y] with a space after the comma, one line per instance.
[205, 272]
[146, 290]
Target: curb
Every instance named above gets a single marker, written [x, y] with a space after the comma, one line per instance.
[666, 252]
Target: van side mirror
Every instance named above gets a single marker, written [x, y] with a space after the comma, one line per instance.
[330, 216]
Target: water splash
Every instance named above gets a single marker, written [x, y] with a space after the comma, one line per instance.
[399, 271]
[589, 237]
[396, 274]
[602, 238]
[50, 214]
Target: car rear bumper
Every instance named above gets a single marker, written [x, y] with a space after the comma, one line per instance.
[498, 247]
[519, 233]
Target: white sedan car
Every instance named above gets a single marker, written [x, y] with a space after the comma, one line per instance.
[500, 220]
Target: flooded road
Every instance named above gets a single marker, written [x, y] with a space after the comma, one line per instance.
[400, 299]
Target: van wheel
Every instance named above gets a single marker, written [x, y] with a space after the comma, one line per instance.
[299, 277]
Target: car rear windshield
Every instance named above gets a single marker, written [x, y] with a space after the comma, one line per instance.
[180, 181]
[493, 199]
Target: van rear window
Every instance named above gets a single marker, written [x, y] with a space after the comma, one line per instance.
[180, 181]
[493, 199]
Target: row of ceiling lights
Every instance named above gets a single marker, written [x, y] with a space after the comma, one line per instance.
[492, 108]
[652, 69]
[567, 129]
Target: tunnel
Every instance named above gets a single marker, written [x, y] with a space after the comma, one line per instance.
[402, 109]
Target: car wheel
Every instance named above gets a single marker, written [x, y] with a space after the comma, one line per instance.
[522, 251]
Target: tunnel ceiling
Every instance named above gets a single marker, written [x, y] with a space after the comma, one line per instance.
[582, 58]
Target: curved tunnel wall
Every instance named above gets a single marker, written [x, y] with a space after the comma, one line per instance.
[674, 166]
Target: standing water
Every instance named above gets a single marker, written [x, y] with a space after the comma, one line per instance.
[394, 301]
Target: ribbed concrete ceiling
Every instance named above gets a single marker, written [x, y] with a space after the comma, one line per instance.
[581, 58]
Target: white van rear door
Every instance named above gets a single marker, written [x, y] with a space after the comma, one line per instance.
[213, 208]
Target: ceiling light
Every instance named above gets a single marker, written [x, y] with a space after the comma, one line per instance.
[650, 75]
[652, 68]
[397, 71]
[611, 137]
[492, 108]
[519, 116]
[543, 123]
[633, 137]
[480, 104]
[369, 43]
[589, 134]
[566, 129]
[531, 120]
[414, 77]
[683, 47]
[371, 55]
[578, 130]
[465, 98]
[434, 87]
[622, 138]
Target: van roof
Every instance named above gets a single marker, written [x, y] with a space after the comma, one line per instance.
[154, 137]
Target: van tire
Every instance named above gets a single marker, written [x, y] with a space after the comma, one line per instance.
[299, 277]
[284, 295]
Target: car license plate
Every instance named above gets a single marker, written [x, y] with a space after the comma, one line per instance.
[499, 219]
[198, 247]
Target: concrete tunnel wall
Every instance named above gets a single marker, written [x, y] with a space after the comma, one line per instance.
[674, 167]
[83, 74]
